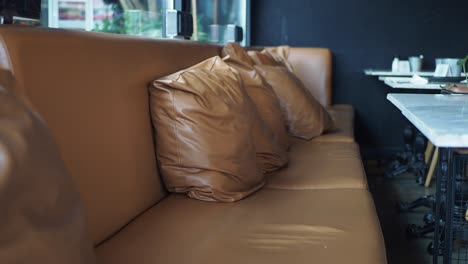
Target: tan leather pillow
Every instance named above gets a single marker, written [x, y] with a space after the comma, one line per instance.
[280, 54]
[42, 219]
[203, 121]
[263, 58]
[261, 94]
[305, 117]
[273, 56]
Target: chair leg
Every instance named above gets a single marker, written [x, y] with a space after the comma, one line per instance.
[429, 149]
[430, 173]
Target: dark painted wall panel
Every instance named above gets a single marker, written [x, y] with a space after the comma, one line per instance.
[363, 34]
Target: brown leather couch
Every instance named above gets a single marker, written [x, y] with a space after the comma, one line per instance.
[91, 89]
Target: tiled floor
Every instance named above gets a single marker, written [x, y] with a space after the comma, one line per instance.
[387, 193]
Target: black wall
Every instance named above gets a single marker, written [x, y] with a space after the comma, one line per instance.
[366, 34]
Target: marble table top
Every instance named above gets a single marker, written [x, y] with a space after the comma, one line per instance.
[398, 80]
[443, 119]
[389, 73]
[409, 85]
[374, 72]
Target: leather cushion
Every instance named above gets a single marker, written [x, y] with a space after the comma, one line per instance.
[42, 218]
[259, 91]
[334, 165]
[269, 227]
[280, 54]
[305, 117]
[313, 66]
[320, 165]
[263, 58]
[204, 120]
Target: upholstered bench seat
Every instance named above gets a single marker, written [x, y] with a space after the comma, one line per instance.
[343, 130]
[320, 165]
[272, 226]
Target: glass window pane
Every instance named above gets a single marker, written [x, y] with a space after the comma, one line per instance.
[214, 16]
[136, 17]
[145, 17]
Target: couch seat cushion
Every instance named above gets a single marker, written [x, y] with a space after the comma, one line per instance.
[320, 165]
[271, 226]
[343, 120]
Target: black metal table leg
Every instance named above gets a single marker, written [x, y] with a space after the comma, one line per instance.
[411, 159]
[419, 166]
[449, 198]
[436, 247]
[401, 161]
[427, 201]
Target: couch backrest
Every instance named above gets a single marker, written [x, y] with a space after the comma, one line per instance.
[314, 67]
[92, 91]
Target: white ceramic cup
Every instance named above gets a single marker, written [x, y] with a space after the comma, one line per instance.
[415, 64]
[455, 69]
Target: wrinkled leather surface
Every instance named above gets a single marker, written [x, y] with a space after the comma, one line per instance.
[272, 226]
[91, 90]
[343, 125]
[203, 120]
[263, 58]
[305, 117]
[313, 66]
[42, 219]
[259, 91]
[280, 54]
[320, 165]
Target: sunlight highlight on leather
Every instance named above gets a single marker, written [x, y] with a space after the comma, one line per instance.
[285, 237]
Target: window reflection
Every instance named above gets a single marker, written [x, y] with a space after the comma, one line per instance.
[212, 18]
